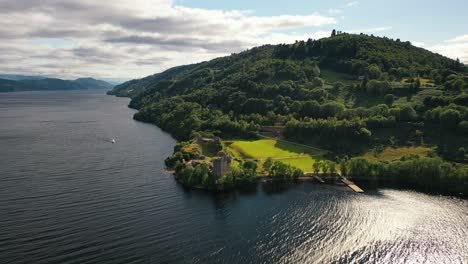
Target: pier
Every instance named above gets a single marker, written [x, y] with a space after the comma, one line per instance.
[351, 185]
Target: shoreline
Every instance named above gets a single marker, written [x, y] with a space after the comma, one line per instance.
[369, 185]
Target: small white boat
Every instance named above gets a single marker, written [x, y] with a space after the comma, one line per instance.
[113, 141]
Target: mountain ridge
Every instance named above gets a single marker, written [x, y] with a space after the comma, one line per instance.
[37, 83]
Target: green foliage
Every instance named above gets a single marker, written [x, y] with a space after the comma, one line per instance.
[330, 132]
[283, 172]
[317, 166]
[197, 175]
[343, 167]
[331, 109]
[450, 118]
[374, 87]
[172, 161]
[374, 71]
[461, 100]
[405, 114]
[361, 54]
[238, 177]
[389, 99]
[268, 163]
[430, 174]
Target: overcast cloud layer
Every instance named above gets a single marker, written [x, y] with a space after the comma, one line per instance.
[131, 39]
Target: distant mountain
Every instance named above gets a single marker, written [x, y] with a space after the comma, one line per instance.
[35, 83]
[17, 77]
[114, 81]
[92, 83]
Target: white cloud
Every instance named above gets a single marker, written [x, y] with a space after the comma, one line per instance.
[351, 3]
[130, 39]
[369, 30]
[418, 44]
[280, 38]
[453, 48]
[460, 39]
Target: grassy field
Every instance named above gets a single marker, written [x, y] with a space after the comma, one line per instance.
[297, 155]
[390, 154]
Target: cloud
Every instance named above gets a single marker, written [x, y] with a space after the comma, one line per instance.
[369, 30]
[418, 44]
[68, 38]
[459, 39]
[453, 48]
[351, 3]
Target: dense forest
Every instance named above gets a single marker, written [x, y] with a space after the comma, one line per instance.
[347, 93]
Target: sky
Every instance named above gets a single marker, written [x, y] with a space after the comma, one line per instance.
[121, 39]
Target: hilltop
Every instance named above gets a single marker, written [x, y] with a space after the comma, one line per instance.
[16, 83]
[353, 95]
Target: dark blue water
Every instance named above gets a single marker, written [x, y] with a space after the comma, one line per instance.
[68, 195]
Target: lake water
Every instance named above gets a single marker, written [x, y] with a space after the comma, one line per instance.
[68, 195]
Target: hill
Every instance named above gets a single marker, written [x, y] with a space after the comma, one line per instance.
[134, 87]
[350, 94]
[345, 77]
[18, 77]
[39, 84]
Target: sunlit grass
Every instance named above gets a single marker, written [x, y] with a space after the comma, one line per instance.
[297, 155]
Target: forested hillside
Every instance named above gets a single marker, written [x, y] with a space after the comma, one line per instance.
[353, 95]
[346, 87]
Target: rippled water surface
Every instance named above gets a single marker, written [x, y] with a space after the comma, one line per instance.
[67, 195]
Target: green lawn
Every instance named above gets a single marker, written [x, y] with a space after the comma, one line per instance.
[304, 163]
[297, 155]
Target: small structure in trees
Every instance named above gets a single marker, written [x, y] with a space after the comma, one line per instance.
[221, 165]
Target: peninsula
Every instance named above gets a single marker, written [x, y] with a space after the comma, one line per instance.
[371, 108]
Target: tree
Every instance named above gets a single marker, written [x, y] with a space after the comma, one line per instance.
[332, 167]
[331, 109]
[407, 113]
[337, 87]
[461, 153]
[204, 173]
[374, 71]
[250, 167]
[343, 167]
[172, 161]
[282, 171]
[326, 167]
[450, 118]
[317, 166]
[358, 167]
[297, 173]
[333, 33]
[462, 127]
[311, 108]
[267, 164]
[389, 98]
